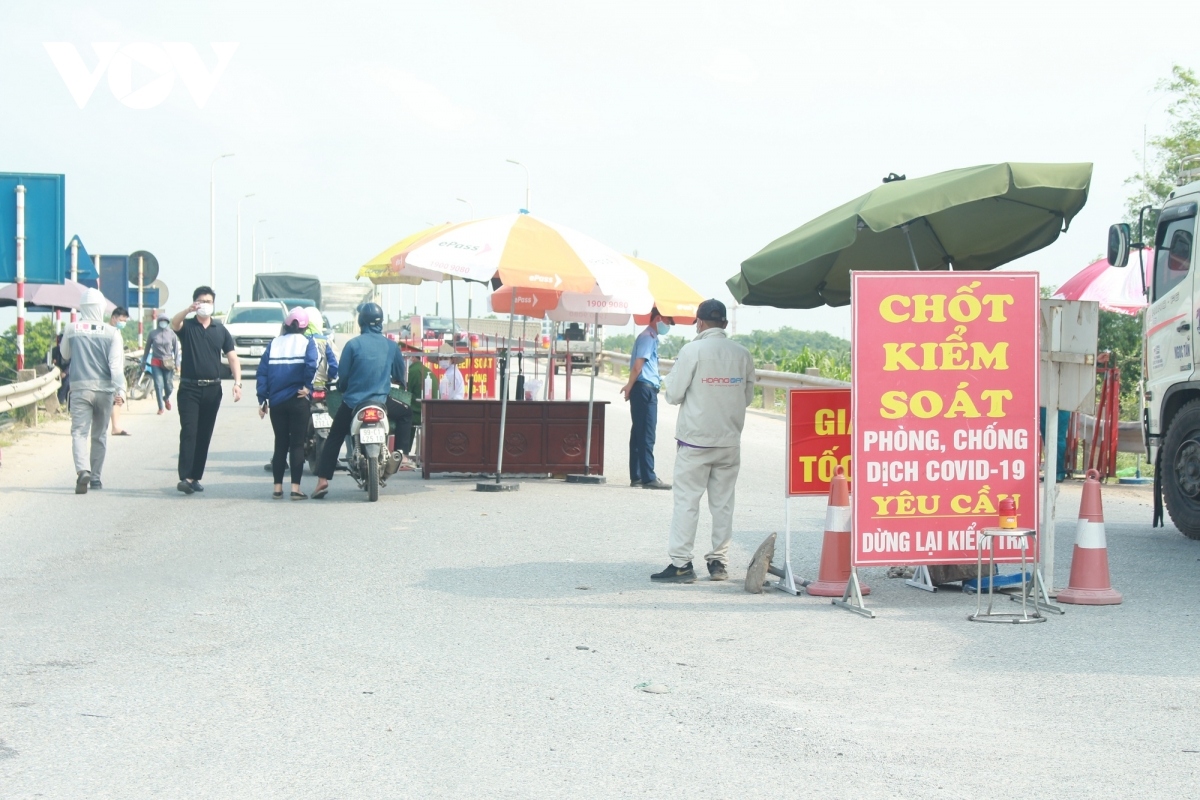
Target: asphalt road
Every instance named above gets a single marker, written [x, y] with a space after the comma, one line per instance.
[226, 645]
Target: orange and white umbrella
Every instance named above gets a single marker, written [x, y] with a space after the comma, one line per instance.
[672, 297]
[593, 307]
[521, 250]
[380, 270]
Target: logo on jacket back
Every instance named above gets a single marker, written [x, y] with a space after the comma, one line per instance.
[722, 381]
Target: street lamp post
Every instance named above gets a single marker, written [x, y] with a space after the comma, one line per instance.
[265, 265]
[238, 289]
[470, 208]
[254, 248]
[522, 166]
[212, 219]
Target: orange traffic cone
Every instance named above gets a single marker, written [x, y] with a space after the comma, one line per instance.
[1090, 584]
[835, 550]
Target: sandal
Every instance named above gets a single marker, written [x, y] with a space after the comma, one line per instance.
[277, 495]
[299, 496]
[319, 494]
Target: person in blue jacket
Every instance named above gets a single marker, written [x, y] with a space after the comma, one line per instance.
[370, 364]
[285, 383]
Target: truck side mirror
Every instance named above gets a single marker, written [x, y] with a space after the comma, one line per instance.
[1118, 245]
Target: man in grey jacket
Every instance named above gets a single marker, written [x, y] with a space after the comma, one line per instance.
[97, 357]
[712, 382]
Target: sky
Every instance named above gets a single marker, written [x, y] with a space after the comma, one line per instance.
[693, 133]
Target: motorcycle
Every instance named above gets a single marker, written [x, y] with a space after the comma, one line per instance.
[370, 456]
[319, 424]
[137, 378]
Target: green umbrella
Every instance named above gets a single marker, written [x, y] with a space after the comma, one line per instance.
[966, 219]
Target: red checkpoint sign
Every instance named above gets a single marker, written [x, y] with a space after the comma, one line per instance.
[818, 425]
[945, 409]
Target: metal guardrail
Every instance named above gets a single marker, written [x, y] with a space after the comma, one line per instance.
[768, 380]
[25, 393]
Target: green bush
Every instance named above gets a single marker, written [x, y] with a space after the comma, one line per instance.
[39, 339]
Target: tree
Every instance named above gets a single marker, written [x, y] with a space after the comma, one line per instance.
[1121, 334]
[1157, 178]
[39, 339]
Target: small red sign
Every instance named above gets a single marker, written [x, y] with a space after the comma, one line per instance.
[818, 439]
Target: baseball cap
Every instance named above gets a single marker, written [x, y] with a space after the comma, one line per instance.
[711, 311]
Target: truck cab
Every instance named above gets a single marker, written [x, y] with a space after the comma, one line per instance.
[1171, 399]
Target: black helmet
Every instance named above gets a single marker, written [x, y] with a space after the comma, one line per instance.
[370, 315]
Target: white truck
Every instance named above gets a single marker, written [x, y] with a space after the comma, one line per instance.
[1171, 411]
[253, 326]
[581, 344]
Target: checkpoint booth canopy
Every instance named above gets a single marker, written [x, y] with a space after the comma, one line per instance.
[45, 227]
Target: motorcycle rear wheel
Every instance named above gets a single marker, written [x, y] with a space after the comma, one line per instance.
[372, 479]
[315, 444]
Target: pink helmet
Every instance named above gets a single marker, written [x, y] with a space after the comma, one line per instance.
[296, 318]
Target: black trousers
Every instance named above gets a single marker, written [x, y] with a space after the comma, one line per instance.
[290, 422]
[643, 408]
[198, 407]
[401, 417]
[398, 414]
[338, 432]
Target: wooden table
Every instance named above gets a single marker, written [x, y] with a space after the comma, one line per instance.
[541, 437]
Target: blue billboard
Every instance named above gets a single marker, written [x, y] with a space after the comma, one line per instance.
[114, 278]
[149, 298]
[45, 227]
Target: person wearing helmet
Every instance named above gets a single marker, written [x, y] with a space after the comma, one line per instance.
[284, 387]
[162, 356]
[370, 364]
[97, 356]
[327, 363]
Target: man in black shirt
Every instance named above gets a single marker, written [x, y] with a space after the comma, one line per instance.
[203, 340]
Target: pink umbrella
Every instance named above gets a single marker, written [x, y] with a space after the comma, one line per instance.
[1115, 289]
[59, 297]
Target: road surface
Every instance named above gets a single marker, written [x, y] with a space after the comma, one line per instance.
[445, 643]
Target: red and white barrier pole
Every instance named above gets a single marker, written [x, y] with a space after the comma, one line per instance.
[141, 289]
[75, 274]
[20, 277]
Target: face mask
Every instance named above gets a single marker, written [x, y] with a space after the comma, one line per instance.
[121, 325]
[444, 364]
[162, 325]
[663, 329]
[205, 310]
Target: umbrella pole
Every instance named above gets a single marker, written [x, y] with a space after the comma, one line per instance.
[504, 398]
[911, 250]
[587, 458]
[587, 476]
[470, 349]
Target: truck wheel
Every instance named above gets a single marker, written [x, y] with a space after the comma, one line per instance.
[1181, 470]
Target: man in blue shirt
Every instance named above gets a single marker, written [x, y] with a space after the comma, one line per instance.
[642, 394]
[370, 364]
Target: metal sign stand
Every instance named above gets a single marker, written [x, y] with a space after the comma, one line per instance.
[788, 582]
[922, 580]
[852, 599]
